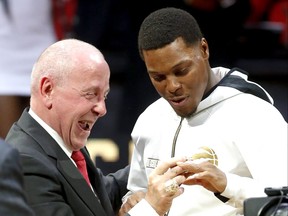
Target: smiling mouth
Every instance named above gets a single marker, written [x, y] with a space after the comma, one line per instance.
[84, 125]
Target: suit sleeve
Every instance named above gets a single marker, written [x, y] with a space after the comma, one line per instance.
[116, 186]
[12, 196]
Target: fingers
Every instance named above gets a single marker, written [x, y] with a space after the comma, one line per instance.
[131, 201]
[169, 164]
[204, 173]
[134, 198]
[167, 177]
[163, 184]
[168, 174]
[196, 166]
[127, 206]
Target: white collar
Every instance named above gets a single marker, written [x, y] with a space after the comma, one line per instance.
[52, 133]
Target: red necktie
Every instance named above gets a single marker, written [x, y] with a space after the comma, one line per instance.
[79, 159]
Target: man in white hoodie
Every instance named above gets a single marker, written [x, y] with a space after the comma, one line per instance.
[211, 112]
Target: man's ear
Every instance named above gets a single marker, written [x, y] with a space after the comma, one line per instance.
[46, 87]
[204, 48]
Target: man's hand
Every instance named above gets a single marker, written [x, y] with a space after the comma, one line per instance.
[163, 186]
[202, 172]
[131, 201]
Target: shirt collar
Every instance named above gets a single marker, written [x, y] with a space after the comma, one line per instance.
[51, 132]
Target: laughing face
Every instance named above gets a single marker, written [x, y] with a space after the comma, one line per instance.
[180, 74]
[79, 102]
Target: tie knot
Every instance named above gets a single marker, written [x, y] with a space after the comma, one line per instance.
[77, 156]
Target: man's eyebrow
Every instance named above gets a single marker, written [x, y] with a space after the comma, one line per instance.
[153, 72]
[186, 61]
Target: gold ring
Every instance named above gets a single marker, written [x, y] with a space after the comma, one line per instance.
[171, 186]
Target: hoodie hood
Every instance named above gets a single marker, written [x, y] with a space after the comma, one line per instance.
[233, 82]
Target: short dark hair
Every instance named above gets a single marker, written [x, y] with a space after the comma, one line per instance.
[164, 26]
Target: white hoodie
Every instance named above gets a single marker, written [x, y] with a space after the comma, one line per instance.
[248, 135]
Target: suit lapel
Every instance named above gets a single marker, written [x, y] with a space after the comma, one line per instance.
[78, 183]
[64, 164]
[97, 183]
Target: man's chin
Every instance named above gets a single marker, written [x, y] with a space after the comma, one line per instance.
[182, 113]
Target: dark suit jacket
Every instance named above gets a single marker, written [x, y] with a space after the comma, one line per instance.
[12, 197]
[53, 184]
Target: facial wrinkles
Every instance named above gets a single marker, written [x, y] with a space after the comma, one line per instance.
[95, 77]
[77, 135]
[69, 113]
[75, 111]
[98, 84]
